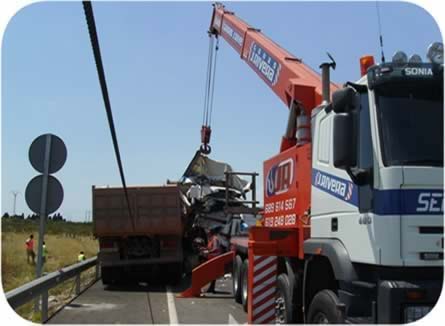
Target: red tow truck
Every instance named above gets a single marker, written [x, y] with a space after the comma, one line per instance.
[352, 230]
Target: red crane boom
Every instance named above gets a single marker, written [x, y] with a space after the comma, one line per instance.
[289, 78]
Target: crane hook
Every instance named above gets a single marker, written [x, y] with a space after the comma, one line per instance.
[205, 148]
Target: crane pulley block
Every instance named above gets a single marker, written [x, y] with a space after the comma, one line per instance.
[206, 131]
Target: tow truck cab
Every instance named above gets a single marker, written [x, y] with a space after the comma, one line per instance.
[377, 190]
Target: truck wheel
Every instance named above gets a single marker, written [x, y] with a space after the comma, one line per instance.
[110, 275]
[244, 283]
[116, 274]
[236, 278]
[283, 301]
[175, 273]
[106, 275]
[324, 309]
[171, 273]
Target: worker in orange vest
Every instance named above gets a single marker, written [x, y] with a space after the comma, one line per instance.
[212, 250]
[29, 244]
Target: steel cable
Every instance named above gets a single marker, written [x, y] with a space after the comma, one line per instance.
[89, 15]
[207, 85]
[212, 92]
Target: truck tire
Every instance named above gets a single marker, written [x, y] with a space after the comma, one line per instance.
[236, 278]
[110, 275]
[283, 303]
[106, 275]
[175, 273]
[172, 273]
[324, 309]
[244, 283]
[116, 273]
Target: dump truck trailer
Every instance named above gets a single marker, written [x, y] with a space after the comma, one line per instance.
[143, 244]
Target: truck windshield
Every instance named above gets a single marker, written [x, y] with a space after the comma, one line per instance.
[411, 124]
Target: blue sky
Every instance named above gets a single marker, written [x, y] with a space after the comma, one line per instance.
[155, 57]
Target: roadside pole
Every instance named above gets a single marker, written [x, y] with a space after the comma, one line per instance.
[44, 194]
[43, 200]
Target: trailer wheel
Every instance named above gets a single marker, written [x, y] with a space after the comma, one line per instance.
[324, 309]
[110, 275]
[117, 274]
[106, 276]
[244, 282]
[283, 301]
[172, 273]
[175, 273]
[236, 278]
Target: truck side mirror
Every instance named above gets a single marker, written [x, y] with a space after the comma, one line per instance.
[343, 100]
[344, 149]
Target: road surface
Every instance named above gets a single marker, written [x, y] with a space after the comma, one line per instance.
[151, 304]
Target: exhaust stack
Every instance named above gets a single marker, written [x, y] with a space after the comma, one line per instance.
[326, 78]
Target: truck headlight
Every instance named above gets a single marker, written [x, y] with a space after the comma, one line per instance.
[399, 58]
[414, 313]
[435, 53]
[415, 58]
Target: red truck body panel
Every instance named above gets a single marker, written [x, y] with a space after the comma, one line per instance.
[156, 211]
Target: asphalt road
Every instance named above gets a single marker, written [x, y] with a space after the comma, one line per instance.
[151, 304]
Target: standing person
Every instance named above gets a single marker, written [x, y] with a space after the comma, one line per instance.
[44, 253]
[212, 250]
[29, 243]
[81, 257]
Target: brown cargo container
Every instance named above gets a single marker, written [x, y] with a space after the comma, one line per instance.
[156, 210]
[153, 245]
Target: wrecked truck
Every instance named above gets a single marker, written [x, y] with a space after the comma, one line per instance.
[161, 237]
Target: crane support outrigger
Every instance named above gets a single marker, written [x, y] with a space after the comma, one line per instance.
[353, 202]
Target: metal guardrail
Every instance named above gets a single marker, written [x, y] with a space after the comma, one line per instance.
[42, 285]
